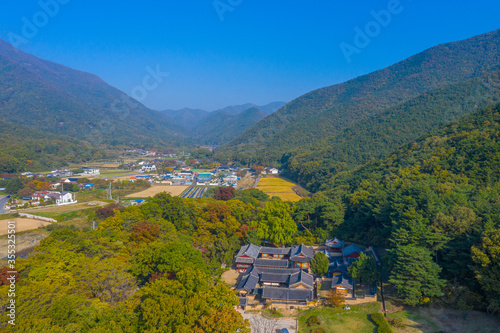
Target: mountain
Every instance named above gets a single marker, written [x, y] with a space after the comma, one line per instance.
[48, 96]
[326, 111]
[26, 149]
[433, 200]
[187, 117]
[267, 109]
[221, 127]
[379, 134]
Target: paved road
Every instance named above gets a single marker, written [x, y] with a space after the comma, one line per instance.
[3, 202]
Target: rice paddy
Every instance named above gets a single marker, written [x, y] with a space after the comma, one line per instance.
[278, 187]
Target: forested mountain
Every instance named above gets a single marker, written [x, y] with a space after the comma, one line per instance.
[221, 127]
[191, 118]
[267, 109]
[434, 205]
[326, 111]
[55, 98]
[26, 149]
[186, 117]
[379, 134]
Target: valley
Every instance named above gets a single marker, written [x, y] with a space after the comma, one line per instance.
[366, 205]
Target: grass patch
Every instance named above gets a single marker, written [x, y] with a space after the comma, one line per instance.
[66, 216]
[332, 320]
[272, 313]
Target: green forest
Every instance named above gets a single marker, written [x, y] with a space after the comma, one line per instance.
[434, 205]
[25, 149]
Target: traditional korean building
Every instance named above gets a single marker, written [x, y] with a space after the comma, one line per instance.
[287, 295]
[301, 256]
[351, 251]
[246, 257]
[278, 285]
[336, 268]
[334, 245]
[342, 284]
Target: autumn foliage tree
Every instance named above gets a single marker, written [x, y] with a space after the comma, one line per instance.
[334, 299]
[144, 232]
[224, 193]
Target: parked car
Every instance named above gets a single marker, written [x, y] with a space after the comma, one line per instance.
[284, 330]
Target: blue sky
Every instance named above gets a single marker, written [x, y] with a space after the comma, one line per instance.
[261, 51]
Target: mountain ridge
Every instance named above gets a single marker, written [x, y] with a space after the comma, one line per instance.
[325, 111]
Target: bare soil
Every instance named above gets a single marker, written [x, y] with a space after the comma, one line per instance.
[22, 224]
[154, 190]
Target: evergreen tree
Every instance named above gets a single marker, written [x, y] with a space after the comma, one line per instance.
[415, 275]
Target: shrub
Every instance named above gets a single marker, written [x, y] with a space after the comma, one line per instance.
[396, 322]
[313, 320]
[383, 325]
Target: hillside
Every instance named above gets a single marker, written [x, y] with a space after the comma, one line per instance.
[433, 204]
[267, 109]
[186, 117]
[198, 122]
[58, 99]
[221, 127]
[325, 111]
[26, 149]
[381, 133]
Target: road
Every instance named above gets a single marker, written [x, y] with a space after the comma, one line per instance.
[3, 202]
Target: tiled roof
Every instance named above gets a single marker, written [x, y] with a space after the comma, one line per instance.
[249, 281]
[337, 266]
[306, 251]
[283, 263]
[245, 260]
[301, 277]
[243, 301]
[275, 250]
[342, 280]
[353, 248]
[287, 294]
[249, 250]
[334, 243]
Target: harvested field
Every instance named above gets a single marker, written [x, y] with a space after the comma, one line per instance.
[65, 208]
[154, 190]
[22, 224]
[278, 187]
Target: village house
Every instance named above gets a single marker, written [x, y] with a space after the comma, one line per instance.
[271, 171]
[60, 198]
[90, 171]
[148, 167]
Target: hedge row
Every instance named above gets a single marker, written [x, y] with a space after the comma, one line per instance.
[383, 325]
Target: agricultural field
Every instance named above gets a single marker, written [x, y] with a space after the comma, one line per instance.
[154, 190]
[22, 224]
[194, 192]
[114, 173]
[278, 187]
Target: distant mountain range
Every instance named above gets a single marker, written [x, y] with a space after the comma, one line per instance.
[57, 99]
[328, 111]
[222, 125]
[51, 97]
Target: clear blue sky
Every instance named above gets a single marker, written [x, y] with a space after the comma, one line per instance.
[262, 51]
